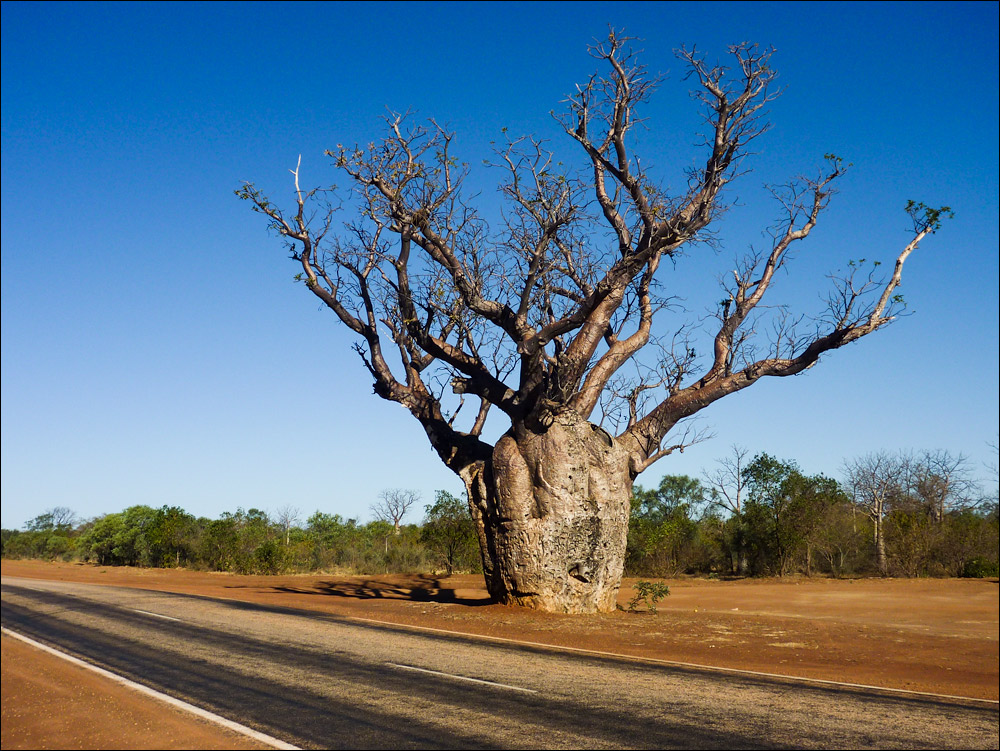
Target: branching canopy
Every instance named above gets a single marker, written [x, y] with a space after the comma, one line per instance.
[541, 313]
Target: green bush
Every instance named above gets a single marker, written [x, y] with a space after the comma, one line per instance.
[980, 568]
[648, 592]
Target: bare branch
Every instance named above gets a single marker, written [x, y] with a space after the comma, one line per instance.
[393, 505]
[540, 314]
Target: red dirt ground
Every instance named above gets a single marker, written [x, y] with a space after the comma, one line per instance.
[932, 635]
[49, 703]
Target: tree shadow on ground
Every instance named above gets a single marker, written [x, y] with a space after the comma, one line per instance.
[415, 588]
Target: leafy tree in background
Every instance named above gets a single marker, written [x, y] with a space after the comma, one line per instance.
[120, 539]
[663, 531]
[244, 542]
[171, 536]
[59, 518]
[8, 543]
[259, 548]
[786, 511]
[673, 493]
[49, 535]
[449, 532]
[331, 537]
[817, 504]
[770, 540]
[970, 539]
[546, 317]
[219, 543]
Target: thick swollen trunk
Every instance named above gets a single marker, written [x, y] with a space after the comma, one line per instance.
[552, 511]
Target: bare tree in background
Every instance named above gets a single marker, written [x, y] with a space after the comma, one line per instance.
[392, 506]
[944, 483]
[991, 500]
[876, 481]
[548, 317]
[57, 517]
[287, 517]
[727, 486]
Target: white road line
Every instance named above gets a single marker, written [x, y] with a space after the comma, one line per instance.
[157, 615]
[463, 678]
[203, 713]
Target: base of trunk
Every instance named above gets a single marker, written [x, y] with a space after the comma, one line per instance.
[552, 512]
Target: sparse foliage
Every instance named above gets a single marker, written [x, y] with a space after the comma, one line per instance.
[943, 482]
[286, 517]
[727, 484]
[393, 504]
[58, 517]
[649, 593]
[876, 481]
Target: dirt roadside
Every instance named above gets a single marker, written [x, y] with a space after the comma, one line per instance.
[932, 635]
[50, 703]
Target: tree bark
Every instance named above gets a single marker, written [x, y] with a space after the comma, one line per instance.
[881, 561]
[552, 509]
[742, 562]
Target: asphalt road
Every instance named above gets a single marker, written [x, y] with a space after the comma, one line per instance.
[320, 681]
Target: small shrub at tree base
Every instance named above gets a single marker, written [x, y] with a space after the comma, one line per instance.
[649, 593]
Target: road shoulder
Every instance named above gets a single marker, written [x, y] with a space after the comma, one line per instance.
[48, 702]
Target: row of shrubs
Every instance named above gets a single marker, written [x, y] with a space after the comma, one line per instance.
[252, 542]
[787, 522]
[810, 527]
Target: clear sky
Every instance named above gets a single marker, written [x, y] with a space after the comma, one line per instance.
[155, 349]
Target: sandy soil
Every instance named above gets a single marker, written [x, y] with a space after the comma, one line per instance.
[933, 635]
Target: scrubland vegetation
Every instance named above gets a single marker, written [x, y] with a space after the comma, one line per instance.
[890, 514]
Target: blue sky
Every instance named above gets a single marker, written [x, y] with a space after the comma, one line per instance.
[155, 349]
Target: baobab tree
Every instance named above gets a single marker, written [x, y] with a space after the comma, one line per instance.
[727, 484]
[548, 317]
[876, 482]
[393, 504]
[944, 483]
[287, 517]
